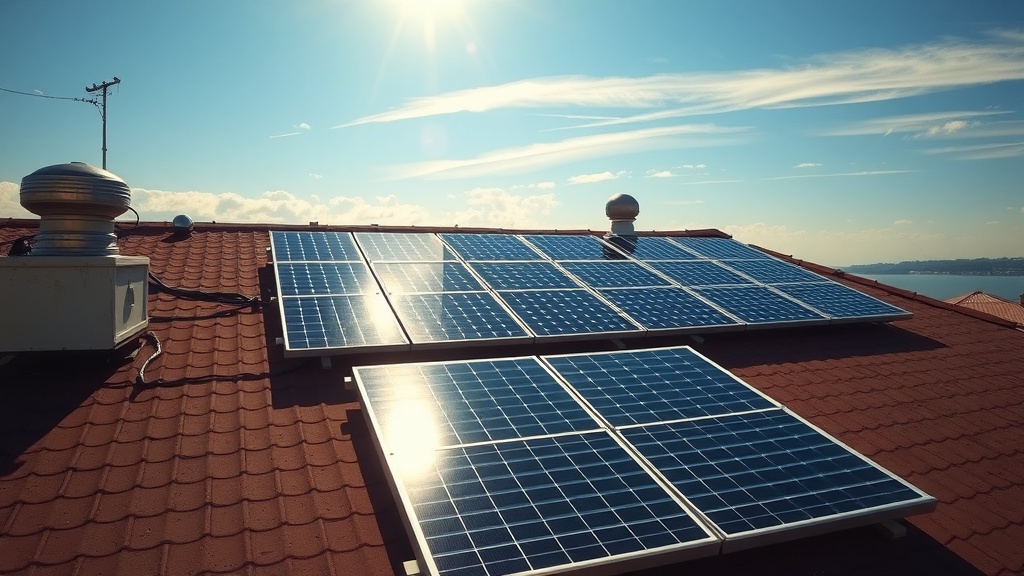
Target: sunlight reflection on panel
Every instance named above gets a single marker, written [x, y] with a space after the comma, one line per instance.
[413, 436]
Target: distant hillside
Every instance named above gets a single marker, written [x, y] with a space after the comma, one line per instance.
[972, 267]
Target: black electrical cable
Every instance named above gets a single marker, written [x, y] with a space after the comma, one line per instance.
[87, 100]
[232, 298]
[125, 233]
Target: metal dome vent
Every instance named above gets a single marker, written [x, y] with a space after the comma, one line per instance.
[77, 204]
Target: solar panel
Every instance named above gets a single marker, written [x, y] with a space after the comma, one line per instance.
[572, 247]
[841, 302]
[771, 271]
[647, 386]
[651, 248]
[499, 472]
[314, 247]
[471, 402]
[361, 322]
[614, 274]
[325, 278]
[490, 247]
[412, 277]
[757, 473]
[402, 247]
[549, 503]
[667, 309]
[566, 313]
[523, 275]
[717, 248]
[699, 273]
[758, 305]
[456, 317]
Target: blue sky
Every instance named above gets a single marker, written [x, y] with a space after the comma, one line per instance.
[839, 132]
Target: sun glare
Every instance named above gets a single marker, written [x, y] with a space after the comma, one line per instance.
[430, 15]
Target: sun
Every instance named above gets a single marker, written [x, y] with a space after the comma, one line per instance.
[430, 15]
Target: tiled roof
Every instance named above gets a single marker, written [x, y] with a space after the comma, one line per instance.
[990, 304]
[234, 460]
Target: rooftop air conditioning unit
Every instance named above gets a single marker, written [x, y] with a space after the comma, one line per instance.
[74, 291]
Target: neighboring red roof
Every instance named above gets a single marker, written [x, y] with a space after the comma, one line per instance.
[234, 460]
[990, 304]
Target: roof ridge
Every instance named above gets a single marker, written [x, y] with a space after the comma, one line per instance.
[894, 291]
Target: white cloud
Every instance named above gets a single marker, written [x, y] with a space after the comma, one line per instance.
[848, 77]
[993, 223]
[807, 165]
[660, 174]
[903, 222]
[275, 207]
[303, 126]
[533, 156]
[497, 208]
[315, 176]
[951, 127]
[535, 185]
[10, 202]
[285, 135]
[598, 177]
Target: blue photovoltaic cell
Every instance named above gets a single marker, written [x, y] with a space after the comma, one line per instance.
[839, 301]
[402, 247]
[471, 402]
[455, 316]
[757, 304]
[647, 386]
[340, 322]
[325, 278]
[565, 312]
[574, 247]
[411, 277]
[666, 308]
[765, 469]
[523, 505]
[612, 274]
[718, 247]
[490, 247]
[699, 273]
[314, 247]
[651, 248]
[523, 275]
[769, 271]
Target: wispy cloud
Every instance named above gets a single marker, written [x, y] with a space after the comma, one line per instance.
[903, 222]
[285, 135]
[930, 125]
[847, 77]
[537, 185]
[303, 126]
[982, 151]
[544, 154]
[843, 174]
[807, 165]
[597, 177]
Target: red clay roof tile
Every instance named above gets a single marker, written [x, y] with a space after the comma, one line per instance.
[233, 460]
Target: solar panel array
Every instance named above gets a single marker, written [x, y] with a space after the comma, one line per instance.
[598, 461]
[345, 293]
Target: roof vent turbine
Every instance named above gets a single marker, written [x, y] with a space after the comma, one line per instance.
[77, 204]
[622, 210]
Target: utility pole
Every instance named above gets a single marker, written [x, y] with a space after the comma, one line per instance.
[104, 86]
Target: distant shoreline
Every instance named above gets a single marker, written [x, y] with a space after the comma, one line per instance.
[967, 267]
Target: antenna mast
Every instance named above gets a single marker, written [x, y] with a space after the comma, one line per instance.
[103, 113]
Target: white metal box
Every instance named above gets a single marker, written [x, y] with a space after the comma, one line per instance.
[72, 302]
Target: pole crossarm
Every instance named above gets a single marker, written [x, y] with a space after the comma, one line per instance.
[105, 87]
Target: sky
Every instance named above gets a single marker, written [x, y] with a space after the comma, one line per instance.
[839, 132]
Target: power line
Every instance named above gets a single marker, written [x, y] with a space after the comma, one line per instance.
[87, 100]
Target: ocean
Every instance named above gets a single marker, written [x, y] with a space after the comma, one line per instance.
[944, 286]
